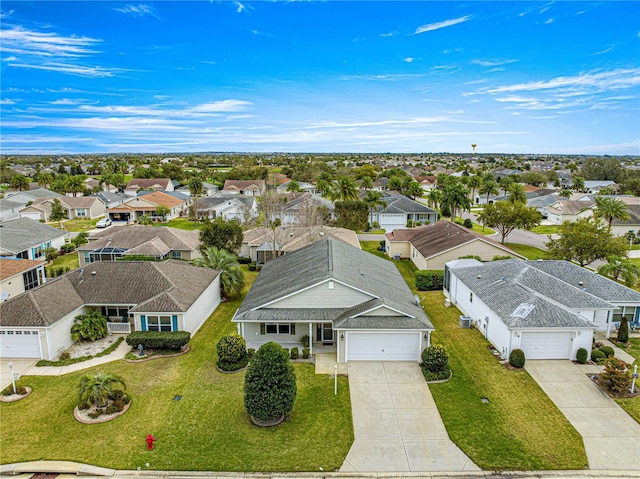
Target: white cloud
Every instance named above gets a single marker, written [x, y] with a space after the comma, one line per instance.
[240, 7]
[139, 10]
[492, 63]
[408, 59]
[72, 69]
[7, 101]
[549, 21]
[436, 26]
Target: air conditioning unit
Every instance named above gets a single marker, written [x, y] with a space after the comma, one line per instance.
[465, 322]
[447, 303]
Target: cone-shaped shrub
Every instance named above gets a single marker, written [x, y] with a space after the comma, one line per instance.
[623, 330]
[232, 352]
[270, 384]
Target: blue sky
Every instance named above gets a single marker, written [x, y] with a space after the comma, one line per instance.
[514, 77]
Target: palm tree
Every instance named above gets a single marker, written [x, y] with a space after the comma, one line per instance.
[414, 190]
[19, 182]
[344, 188]
[95, 389]
[474, 182]
[618, 266]
[231, 276]
[505, 183]
[489, 187]
[565, 193]
[516, 193]
[75, 184]
[373, 199]
[366, 182]
[610, 208]
[578, 183]
[455, 196]
[195, 186]
[434, 197]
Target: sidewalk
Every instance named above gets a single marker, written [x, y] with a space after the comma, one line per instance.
[618, 353]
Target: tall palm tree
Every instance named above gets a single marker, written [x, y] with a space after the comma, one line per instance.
[373, 199]
[474, 182]
[434, 197]
[231, 276]
[75, 184]
[610, 208]
[95, 389]
[489, 187]
[455, 196]
[343, 189]
[578, 183]
[618, 266]
[516, 193]
[195, 186]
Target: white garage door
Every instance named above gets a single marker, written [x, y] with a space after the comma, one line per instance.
[18, 343]
[33, 216]
[387, 346]
[546, 345]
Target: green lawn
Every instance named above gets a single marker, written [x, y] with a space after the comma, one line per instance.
[208, 429]
[632, 405]
[181, 223]
[545, 229]
[529, 252]
[520, 428]
[69, 260]
[75, 225]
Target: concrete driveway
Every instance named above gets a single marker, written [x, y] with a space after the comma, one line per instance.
[396, 423]
[611, 437]
[20, 366]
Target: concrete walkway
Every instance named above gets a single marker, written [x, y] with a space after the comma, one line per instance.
[611, 437]
[396, 423]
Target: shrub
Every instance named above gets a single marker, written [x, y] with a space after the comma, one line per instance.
[95, 414]
[582, 355]
[429, 280]
[501, 257]
[375, 225]
[244, 260]
[89, 327]
[64, 355]
[597, 356]
[468, 223]
[112, 409]
[435, 358]
[304, 340]
[608, 351]
[51, 253]
[251, 266]
[616, 376]
[270, 384]
[67, 248]
[516, 358]
[294, 353]
[235, 366]
[159, 339]
[251, 352]
[231, 348]
[306, 353]
[80, 239]
[623, 330]
[8, 391]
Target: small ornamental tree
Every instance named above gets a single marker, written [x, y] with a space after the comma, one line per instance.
[232, 352]
[97, 389]
[616, 376]
[623, 330]
[435, 363]
[269, 385]
[89, 327]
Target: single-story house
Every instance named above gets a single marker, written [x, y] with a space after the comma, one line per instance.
[118, 242]
[245, 187]
[88, 207]
[621, 228]
[339, 296]
[10, 209]
[156, 184]
[20, 275]
[229, 207]
[132, 209]
[595, 186]
[111, 199]
[150, 296]
[25, 197]
[28, 239]
[208, 189]
[434, 245]
[399, 210]
[296, 208]
[263, 244]
[568, 210]
[303, 185]
[549, 309]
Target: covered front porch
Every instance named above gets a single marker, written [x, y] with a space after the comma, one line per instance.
[319, 337]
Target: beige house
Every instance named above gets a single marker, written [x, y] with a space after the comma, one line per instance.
[245, 187]
[87, 207]
[157, 184]
[263, 244]
[161, 242]
[19, 275]
[131, 210]
[568, 210]
[432, 246]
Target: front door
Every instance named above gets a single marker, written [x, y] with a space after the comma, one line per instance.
[326, 332]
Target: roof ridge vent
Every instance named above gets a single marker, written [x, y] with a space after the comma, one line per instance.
[330, 251]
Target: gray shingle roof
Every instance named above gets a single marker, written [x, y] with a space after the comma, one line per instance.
[402, 204]
[331, 259]
[23, 233]
[135, 235]
[170, 286]
[505, 285]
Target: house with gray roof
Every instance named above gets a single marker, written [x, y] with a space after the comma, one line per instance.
[549, 309]
[28, 239]
[400, 210]
[144, 295]
[342, 298]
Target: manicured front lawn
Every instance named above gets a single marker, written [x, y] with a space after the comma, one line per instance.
[76, 225]
[632, 405]
[69, 260]
[529, 252]
[208, 429]
[545, 229]
[520, 428]
[181, 223]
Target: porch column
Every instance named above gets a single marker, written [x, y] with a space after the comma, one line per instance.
[310, 339]
[608, 324]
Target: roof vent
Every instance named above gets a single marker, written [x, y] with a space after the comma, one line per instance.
[93, 273]
[580, 283]
[479, 276]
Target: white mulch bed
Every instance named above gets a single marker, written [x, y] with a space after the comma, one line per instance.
[91, 348]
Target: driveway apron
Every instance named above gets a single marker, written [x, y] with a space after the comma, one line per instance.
[611, 437]
[396, 424]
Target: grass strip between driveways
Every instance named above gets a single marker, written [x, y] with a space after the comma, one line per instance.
[519, 428]
[208, 429]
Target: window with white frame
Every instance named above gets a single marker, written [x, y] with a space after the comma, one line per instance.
[159, 323]
[81, 212]
[278, 328]
[628, 311]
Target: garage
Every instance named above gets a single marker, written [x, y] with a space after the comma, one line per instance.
[383, 346]
[32, 216]
[17, 343]
[546, 345]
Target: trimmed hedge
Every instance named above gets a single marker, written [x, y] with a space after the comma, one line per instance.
[582, 355]
[516, 358]
[597, 356]
[435, 358]
[608, 351]
[429, 280]
[159, 339]
[623, 330]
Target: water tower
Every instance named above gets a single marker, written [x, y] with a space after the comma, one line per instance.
[473, 145]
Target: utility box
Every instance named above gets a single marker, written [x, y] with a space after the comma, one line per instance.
[465, 322]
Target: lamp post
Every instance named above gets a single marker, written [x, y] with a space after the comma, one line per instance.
[13, 379]
[635, 375]
[335, 379]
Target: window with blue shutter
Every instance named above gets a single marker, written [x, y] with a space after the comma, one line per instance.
[143, 322]
[174, 323]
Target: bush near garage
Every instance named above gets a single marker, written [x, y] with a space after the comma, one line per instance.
[582, 355]
[517, 358]
[608, 351]
[435, 363]
[159, 339]
[597, 356]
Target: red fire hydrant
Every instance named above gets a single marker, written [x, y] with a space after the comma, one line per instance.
[150, 440]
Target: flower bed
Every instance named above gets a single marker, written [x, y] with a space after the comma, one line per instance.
[16, 397]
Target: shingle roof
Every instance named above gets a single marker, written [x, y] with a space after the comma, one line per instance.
[161, 198]
[505, 285]
[23, 233]
[295, 237]
[170, 286]
[332, 259]
[402, 204]
[145, 183]
[11, 267]
[243, 184]
[135, 235]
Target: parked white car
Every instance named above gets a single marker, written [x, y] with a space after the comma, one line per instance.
[103, 223]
